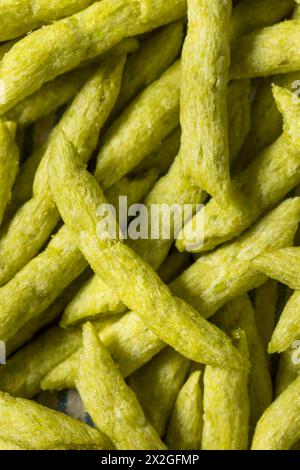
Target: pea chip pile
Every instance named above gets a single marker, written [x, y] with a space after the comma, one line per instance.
[186, 342]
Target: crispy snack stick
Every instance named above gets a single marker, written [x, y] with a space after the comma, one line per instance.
[150, 117]
[95, 299]
[92, 299]
[271, 176]
[9, 163]
[149, 62]
[143, 67]
[36, 427]
[230, 265]
[282, 265]
[268, 51]
[203, 112]
[239, 313]
[227, 272]
[45, 277]
[226, 404]
[84, 134]
[60, 47]
[24, 371]
[47, 317]
[279, 427]
[287, 329]
[266, 120]
[157, 384]
[170, 318]
[19, 18]
[32, 225]
[265, 303]
[213, 279]
[128, 340]
[185, 425]
[113, 407]
[50, 97]
[250, 15]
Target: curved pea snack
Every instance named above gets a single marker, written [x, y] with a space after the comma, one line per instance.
[203, 107]
[36, 427]
[185, 425]
[103, 390]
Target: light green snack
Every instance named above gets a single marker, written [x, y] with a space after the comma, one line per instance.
[272, 175]
[45, 277]
[39, 428]
[9, 163]
[203, 112]
[128, 340]
[50, 97]
[143, 67]
[239, 313]
[279, 427]
[265, 303]
[185, 426]
[227, 272]
[266, 120]
[19, 18]
[149, 118]
[170, 318]
[23, 372]
[95, 299]
[149, 62]
[157, 384]
[282, 265]
[33, 223]
[47, 317]
[217, 277]
[250, 15]
[288, 328]
[39, 283]
[60, 47]
[288, 369]
[173, 188]
[267, 51]
[109, 401]
[163, 157]
[226, 404]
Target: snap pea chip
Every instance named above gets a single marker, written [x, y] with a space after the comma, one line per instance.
[61, 46]
[167, 316]
[279, 427]
[239, 313]
[185, 426]
[260, 53]
[112, 405]
[271, 175]
[36, 427]
[203, 103]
